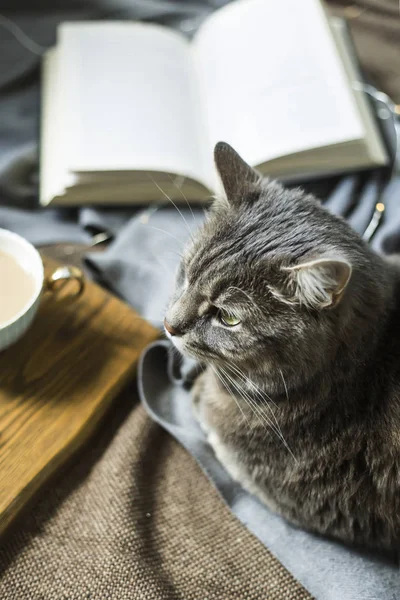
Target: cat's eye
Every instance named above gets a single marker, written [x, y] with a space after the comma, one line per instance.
[228, 319]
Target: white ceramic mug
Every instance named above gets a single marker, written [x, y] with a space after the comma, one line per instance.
[29, 259]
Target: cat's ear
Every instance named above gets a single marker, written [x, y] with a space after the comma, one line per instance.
[320, 283]
[237, 177]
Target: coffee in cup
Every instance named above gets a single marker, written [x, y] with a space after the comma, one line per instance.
[17, 287]
[22, 282]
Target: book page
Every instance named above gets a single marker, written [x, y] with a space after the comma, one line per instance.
[271, 80]
[53, 176]
[130, 100]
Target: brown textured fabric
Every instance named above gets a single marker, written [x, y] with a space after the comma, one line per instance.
[135, 518]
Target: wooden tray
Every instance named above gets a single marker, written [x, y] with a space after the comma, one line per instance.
[57, 382]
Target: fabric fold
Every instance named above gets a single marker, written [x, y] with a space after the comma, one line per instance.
[328, 570]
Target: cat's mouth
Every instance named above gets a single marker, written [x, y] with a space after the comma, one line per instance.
[177, 342]
[195, 352]
[185, 347]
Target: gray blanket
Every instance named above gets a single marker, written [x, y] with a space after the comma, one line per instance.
[139, 265]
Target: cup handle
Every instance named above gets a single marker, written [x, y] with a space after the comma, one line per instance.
[65, 273]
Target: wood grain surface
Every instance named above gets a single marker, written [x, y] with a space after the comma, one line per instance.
[58, 381]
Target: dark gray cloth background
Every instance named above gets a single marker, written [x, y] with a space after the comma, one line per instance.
[140, 262]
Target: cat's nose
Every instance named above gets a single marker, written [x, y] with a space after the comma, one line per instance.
[171, 330]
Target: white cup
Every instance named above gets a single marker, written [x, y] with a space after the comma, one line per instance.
[29, 258]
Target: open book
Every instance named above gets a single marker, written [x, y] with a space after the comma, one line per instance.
[129, 108]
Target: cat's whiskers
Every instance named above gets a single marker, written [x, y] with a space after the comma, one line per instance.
[161, 264]
[263, 419]
[179, 188]
[173, 204]
[260, 393]
[179, 254]
[166, 233]
[220, 377]
[255, 408]
[260, 413]
[246, 400]
[284, 383]
[253, 385]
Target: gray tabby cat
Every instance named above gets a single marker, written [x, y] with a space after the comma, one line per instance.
[298, 324]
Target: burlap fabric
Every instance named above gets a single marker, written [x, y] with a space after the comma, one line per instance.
[135, 518]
